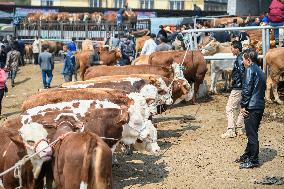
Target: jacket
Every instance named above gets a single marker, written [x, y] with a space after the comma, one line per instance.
[12, 61]
[254, 86]
[149, 47]
[276, 11]
[238, 73]
[36, 46]
[68, 66]
[45, 60]
[163, 47]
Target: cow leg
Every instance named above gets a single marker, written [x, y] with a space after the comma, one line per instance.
[274, 89]
[214, 77]
[268, 89]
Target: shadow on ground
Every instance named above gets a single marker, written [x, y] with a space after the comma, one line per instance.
[266, 155]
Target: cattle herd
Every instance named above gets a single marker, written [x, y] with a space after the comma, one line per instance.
[112, 105]
[95, 17]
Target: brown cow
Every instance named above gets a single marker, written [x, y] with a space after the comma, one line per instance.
[98, 71]
[140, 33]
[89, 166]
[54, 46]
[141, 60]
[275, 61]
[62, 16]
[96, 17]
[83, 59]
[29, 52]
[194, 63]
[214, 47]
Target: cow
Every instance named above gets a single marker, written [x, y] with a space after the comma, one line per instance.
[54, 46]
[83, 59]
[96, 17]
[194, 64]
[214, 47]
[275, 62]
[15, 144]
[98, 71]
[87, 45]
[140, 33]
[82, 160]
[29, 52]
[62, 16]
[79, 101]
[217, 68]
[141, 60]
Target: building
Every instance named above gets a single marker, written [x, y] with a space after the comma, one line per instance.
[245, 7]
[215, 5]
[136, 4]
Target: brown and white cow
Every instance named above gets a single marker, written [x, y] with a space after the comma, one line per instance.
[194, 64]
[98, 71]
[275, 62]
[81, 101]
[141, 60]
[15, 144]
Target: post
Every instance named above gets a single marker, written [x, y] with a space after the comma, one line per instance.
[263, 35]
[190, 41]
[195, 40]
[267, 48]
[61, 30]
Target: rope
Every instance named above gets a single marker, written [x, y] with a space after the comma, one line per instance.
[185, 54]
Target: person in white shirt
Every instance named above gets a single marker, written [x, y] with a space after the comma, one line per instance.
[149, 46]
[36, 49]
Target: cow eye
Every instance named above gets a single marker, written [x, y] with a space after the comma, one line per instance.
[31, 142]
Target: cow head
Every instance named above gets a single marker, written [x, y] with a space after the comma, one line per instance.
[139, 112]
[118, 54]
[35, 139]
[148, 139]
[150, 93]
[164, 94]
[181, 90]
[210, 48]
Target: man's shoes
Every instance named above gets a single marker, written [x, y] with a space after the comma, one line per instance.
[242, 159]
[230, 133]
[249, 165]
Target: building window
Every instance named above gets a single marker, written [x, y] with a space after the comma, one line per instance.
[176, 5]
[95, 3]
[146, 4]
[119, 3]
[46, 2]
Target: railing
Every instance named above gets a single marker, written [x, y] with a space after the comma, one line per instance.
[265, 38]
[80, 30]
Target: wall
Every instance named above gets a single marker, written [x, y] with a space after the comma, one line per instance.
[247, 7]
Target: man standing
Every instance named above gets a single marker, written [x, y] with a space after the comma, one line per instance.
[68, 66]
[163, 46]
[252, 108]
[235, 96]
[36, 49]
[12, 62]
[119, 18]
[45, 60]
[149, 45]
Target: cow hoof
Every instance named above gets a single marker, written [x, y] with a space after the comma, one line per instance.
[279, 102]
[269, 101]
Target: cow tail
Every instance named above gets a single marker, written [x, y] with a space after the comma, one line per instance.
[86, 167]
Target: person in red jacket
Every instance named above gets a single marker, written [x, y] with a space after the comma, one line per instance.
[276, 16]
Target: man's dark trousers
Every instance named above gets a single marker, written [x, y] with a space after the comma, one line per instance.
[252, 122]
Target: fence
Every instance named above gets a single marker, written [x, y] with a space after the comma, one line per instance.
[265, 38]
[80, 30]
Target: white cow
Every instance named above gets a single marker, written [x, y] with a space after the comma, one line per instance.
[219, 66]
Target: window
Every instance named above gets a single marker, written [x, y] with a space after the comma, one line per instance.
[119, 3]
[95, 3]
[46, 2]
[146, 4]
[176, 5]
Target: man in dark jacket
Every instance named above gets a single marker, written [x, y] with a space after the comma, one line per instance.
[235, 96]
[252, 107]
[45, 60]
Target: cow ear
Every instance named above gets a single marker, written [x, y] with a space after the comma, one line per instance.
[124, 117]
[17, 140]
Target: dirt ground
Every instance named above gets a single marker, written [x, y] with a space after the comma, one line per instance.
[192, 153]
